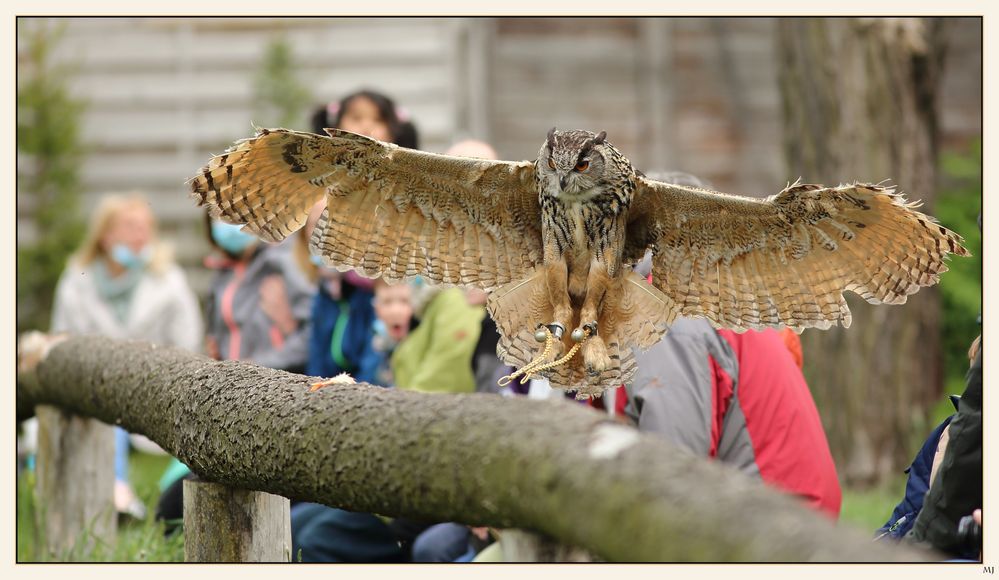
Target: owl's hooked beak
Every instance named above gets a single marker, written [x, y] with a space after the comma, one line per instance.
[562, 181]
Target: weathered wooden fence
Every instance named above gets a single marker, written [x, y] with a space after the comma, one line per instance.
[552, 468]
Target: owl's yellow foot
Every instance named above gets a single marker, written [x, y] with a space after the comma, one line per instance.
[340, 379]
[595, 356]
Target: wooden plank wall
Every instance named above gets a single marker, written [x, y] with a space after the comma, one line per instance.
[691, 94]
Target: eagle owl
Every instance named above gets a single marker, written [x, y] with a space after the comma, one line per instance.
[554, 240]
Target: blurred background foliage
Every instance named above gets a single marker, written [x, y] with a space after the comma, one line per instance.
[50, 153]
[958, 207]
[279, 96]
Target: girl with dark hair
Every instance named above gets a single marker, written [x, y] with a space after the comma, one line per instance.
[368, 113]
[364, 112]
[342, 313]
[343, 319]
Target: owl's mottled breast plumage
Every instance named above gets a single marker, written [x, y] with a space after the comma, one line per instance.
[584, 212]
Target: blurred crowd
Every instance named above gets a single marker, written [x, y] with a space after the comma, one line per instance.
[740, 399]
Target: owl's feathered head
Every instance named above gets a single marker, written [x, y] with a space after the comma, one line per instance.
[574, 163]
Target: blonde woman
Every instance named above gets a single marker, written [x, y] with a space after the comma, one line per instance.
[123, 283]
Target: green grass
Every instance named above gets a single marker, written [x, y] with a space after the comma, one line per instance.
[137, 541]
[869, 509]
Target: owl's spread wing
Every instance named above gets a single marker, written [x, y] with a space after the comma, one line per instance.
[391, 211]
[785, 260]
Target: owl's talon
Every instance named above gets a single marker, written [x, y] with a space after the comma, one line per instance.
[595, 356]
[592, 327]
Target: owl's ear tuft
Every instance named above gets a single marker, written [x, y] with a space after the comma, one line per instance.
[600, 138]
[551, 139]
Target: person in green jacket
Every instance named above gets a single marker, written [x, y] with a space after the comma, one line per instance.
[436, 357]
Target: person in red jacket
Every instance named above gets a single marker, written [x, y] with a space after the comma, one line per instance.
[739, 398]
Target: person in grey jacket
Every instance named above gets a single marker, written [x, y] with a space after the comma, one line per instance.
[258, 311]
[259, 302]
[122, 283]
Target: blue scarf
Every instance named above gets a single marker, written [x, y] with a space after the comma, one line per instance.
[117, 291]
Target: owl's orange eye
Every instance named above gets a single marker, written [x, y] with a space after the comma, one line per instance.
[551, 164]
[583, 165]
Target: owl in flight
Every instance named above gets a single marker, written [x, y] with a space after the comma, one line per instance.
[554, 240]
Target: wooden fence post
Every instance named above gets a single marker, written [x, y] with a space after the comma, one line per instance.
[75, 470]
[223, 524]
[522, 546]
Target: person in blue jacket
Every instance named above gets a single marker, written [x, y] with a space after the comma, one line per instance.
[343, 319]
[918, 483]
[945, 479]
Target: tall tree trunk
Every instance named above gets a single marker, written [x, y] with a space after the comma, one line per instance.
[553, 467]
[859, 98]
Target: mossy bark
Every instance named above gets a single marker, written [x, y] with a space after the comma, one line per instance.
[556, 468]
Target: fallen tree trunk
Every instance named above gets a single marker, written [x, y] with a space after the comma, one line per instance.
[551, 467]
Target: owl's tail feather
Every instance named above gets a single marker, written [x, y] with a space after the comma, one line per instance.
[634, 314]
